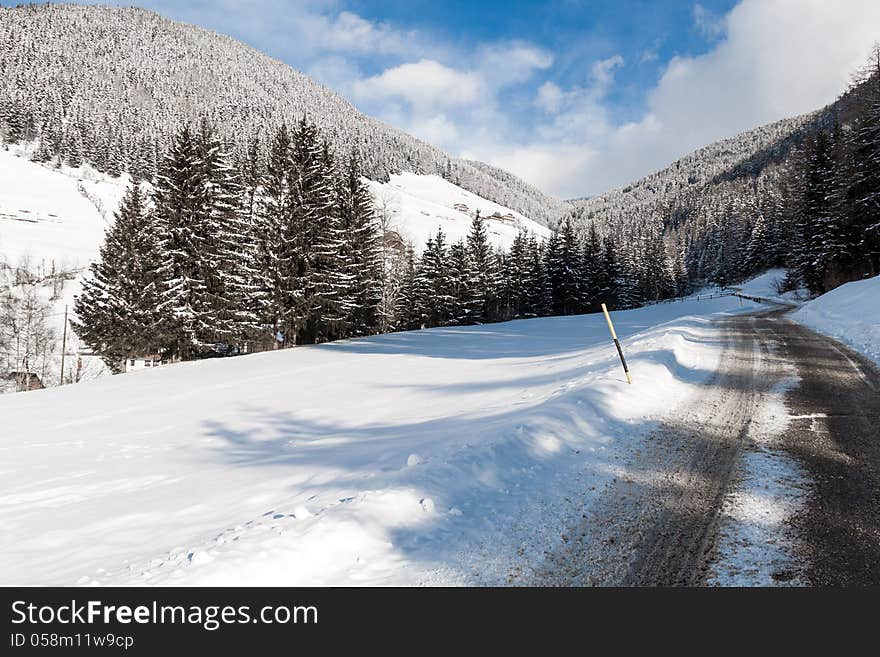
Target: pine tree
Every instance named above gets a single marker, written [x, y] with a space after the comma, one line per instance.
[317, 221]
[565, 267]
[434, 285]
[593, 271]
[537, 292]
[117, 311]
[187, 276]
[229, 253]
[814, 214]
[483, 271]
[408, 312]
[363, 252]
[863, 190]
[518, 276]
[461, 297]
[278, 243]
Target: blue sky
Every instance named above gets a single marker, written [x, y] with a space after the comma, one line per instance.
[575, 96]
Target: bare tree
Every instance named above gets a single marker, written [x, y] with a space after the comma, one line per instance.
[27, 338]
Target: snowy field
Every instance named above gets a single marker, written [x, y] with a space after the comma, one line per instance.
[849, 313]
[445, 456]
[420, 205]
[49, 214]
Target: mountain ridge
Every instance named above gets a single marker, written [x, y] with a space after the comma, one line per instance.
[110, 84]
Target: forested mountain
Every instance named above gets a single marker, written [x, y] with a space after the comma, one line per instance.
[112, 85]
[800, 193]
[258, 231]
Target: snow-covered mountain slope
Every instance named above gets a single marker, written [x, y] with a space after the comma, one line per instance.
[110, 84]
[689, 177]
[59, 215]
[440, 456]
[849, 313]
[417, 206]
[49, 214]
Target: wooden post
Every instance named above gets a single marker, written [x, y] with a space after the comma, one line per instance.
[63, 347]
[617, 344]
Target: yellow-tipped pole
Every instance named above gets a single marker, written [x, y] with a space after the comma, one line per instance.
[617, 344]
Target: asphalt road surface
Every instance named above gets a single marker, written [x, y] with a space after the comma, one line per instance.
[659, 526]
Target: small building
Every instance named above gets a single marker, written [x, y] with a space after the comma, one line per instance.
[145, 362]
[20, 382]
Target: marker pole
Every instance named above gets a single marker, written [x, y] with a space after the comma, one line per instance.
[617, 344]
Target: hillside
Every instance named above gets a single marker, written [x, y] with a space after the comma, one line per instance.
[762, 199]
[58, 216]
[109, 85]
[694, 175]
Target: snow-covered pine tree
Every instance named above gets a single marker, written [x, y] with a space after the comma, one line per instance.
[117, 313]
[537, 292]
[518, 275]
[863, 190]
[229, 255]
[363, 251]
[564, 265]
[408, 310]
[187, 274]
[614, 294]
[278, 243]
[461, 298]
[322, 269]
[434, 285]
[483, 271]
[815, 214]
[593, 270]
[656, 273]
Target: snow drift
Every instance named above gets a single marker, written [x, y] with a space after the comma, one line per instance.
[849, 313]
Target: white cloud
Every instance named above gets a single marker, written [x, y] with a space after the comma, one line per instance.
[708, 24]
[777, 58]
[549, 97]
[769, 59]
[603, 71]
[425, 84]
[511, 63]
[578, 113]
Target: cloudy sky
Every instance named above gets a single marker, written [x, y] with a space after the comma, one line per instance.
[575, 96]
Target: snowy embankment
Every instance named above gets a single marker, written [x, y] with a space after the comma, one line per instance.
[849, 313]
[445, 456]
[53, 215]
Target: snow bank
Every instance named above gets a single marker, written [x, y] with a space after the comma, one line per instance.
[849, 313]
[445, 456]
